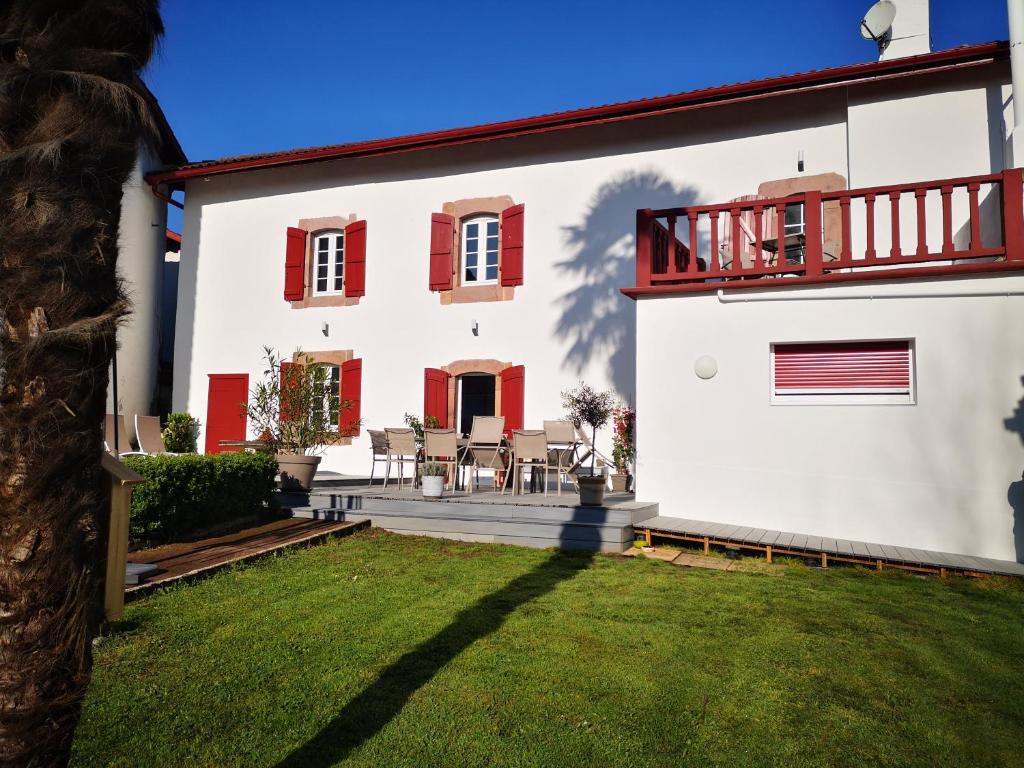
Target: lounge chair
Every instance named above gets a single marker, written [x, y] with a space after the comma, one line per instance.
[485, 449]
[562, 447]
[124, 445]
[440, 446]
[588, 451]
[148, 433]
[529, 449]
[401, 450]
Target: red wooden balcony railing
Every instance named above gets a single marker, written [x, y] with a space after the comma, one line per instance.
[971, 224]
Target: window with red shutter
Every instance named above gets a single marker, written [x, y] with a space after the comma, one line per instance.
[442, 245]
[355, 259]
[513, 392]
[843, 372]
[435, 396]
[351, 391]
[512, 219]
[294, 264]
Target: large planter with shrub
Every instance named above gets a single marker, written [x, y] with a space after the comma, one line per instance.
[297, 471]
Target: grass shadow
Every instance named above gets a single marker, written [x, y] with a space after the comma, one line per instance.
[371, 710]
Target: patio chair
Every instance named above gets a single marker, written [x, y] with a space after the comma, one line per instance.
[588, 451]
[562, 447]
[529, 449]
[747, 238]
[124, 445]
[379, 451]
[148, 434]
[440, 446]
[485, 449]
[401, 450]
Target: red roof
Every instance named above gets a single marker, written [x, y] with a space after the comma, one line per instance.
[939, 61]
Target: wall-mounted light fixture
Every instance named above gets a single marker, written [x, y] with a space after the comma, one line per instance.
[324, 328]
[475, 327]
[800, 161]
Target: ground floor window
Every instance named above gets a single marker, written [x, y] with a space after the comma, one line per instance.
[843, 373]
[329, 397]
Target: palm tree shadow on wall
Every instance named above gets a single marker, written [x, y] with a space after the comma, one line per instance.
[1015, 493]
[595, 316]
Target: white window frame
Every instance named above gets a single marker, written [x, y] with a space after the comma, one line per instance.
[482, 262]
[332, 395]
[335, 240]
[843, 396]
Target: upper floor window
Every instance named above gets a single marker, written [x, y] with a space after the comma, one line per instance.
[480, 250]
[328, 263]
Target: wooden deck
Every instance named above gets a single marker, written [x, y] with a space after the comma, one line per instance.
[878, 556]
[197, 558]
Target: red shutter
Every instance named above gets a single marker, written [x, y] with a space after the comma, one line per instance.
[513, 391]
[294, 264]
[512, 245]
[351, 390]
[435, 396]
[355, 259]
[442, 244]
[225, 410]
[283, 410]
[876, 367]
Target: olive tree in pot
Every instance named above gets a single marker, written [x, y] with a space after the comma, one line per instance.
[294, 411]
[585, 405]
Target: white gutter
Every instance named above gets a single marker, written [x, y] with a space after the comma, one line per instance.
[744, 298]
[1015, 13]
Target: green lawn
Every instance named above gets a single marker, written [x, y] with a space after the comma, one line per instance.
[381, 650]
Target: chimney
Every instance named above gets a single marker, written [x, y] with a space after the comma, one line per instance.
[911, 32]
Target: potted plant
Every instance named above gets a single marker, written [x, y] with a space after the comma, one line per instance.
[417, 425]
[432, 480]
[623, 449]
[290, 410]
[585, 405]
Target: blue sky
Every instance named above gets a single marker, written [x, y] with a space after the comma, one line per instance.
[240, 77]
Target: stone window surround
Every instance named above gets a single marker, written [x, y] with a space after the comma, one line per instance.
[330, 357]
[457, 368]
[464, 209]
[314, 227]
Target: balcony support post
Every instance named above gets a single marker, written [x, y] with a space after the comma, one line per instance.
[1013, 214]
[812, 234]
[644, 241]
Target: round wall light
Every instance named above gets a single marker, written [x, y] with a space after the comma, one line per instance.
[705, 366]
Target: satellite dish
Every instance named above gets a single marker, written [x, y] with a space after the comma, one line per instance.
[877, 23]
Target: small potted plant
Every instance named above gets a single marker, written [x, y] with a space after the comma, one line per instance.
[290, 410]
[623, 449]
[585, 405]
[432, 480]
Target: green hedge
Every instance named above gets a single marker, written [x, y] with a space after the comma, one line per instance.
[186, 493]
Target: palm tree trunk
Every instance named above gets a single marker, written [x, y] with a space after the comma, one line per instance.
[70, 124]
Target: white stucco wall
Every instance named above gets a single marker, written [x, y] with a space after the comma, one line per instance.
[142, 243]
[942, 474]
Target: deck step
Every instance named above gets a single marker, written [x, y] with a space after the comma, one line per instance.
[531, 523]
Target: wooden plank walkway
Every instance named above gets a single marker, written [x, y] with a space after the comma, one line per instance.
[878, 556]
[198, 558]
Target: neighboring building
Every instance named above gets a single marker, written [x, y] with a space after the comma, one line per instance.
[142, 245]
[479, 271]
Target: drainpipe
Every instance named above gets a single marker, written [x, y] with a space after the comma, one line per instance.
[1015, 12]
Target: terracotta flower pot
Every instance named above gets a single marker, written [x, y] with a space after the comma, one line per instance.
[620, 482]
[591, 490]
[297, 471]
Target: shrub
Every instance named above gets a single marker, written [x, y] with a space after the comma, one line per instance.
[183, 494]
[433, 470]
[180, 433]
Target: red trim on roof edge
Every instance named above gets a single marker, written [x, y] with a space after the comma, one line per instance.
[911, 65]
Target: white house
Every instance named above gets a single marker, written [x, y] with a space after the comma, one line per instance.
[482, 270]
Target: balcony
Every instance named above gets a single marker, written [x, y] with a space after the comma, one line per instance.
[904, 231]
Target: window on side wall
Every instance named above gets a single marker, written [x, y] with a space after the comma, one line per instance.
[480, 250]
[328, 263]
[843, 373]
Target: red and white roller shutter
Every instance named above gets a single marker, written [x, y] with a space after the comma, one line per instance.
[870, 367]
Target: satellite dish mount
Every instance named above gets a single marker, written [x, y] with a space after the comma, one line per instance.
[877, 23]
